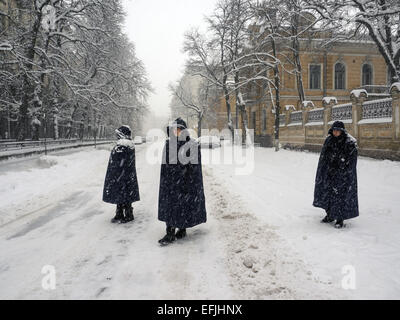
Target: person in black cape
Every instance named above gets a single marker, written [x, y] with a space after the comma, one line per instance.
[181, 202]
[336, 180]
[121, 184]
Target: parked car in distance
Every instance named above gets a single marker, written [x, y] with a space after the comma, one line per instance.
[210, 142]
[138, 140]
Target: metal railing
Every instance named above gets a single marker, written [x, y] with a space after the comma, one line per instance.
[282, 119]
[28, 144]
[342, 112]
[376, 89]
[376, 109]
[296, 117]
[316, 115]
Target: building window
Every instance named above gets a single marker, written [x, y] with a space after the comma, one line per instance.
[367, 74]
[253, 120]
[340, 76]
[315, 76]
[264, 119]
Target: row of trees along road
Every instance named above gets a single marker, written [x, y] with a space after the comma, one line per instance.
[251, 43]
[69, 60]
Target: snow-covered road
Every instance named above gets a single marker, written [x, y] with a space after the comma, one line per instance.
[51, 213]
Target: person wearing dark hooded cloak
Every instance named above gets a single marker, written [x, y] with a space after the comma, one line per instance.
[121, 185]
[336, 181]
[181, 202]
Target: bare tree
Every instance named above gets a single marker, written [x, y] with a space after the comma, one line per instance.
[193, 93]
[70, 60]
[379, 19]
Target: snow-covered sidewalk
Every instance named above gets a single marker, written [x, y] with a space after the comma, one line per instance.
[29, 151]
[263, 239]
[276, 200]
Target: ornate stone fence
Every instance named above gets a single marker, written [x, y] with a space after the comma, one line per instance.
[342, 112]
[374, 123]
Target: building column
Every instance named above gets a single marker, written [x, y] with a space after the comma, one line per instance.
[305, 110]
[357, 102]
[395, 93]
[327, 114]
[287, 116]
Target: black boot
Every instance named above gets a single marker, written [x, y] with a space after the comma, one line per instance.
[169, 237]
[327, 219]
[180, 234]
[339, 224]
[119, 214]
[128, 214]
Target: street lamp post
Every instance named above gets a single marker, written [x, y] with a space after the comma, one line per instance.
[95, 129]
[8, 123]
[45, 134]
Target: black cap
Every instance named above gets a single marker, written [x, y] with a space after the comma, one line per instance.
[179, 123]
[338, 125]
[124, 132]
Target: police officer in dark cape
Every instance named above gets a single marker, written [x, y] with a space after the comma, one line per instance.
[181, 202]
[336, 180]
[121, 184]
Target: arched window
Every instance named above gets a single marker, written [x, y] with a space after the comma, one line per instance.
[315, 76]
[264, 119]
[253, 120]
[366, 74]
[340, 76]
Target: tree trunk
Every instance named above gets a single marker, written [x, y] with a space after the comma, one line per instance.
[28, 89]
[296, 58]
[200, 118]
[241, 105]
[228, 108]
[243, 115]
[277, 98]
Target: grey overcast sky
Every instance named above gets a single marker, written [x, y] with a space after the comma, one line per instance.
[157, 28]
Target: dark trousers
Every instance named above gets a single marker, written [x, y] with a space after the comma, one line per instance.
[124, 206]
[328, 213]
[172, 228]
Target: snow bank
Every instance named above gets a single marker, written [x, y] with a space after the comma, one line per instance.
[282, 198]
[32, 181]
[47, 161]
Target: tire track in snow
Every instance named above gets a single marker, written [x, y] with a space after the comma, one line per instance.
[260, 263]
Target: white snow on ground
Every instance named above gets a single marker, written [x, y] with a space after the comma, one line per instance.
[279, 193]
[263, 239]
[52, 214]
